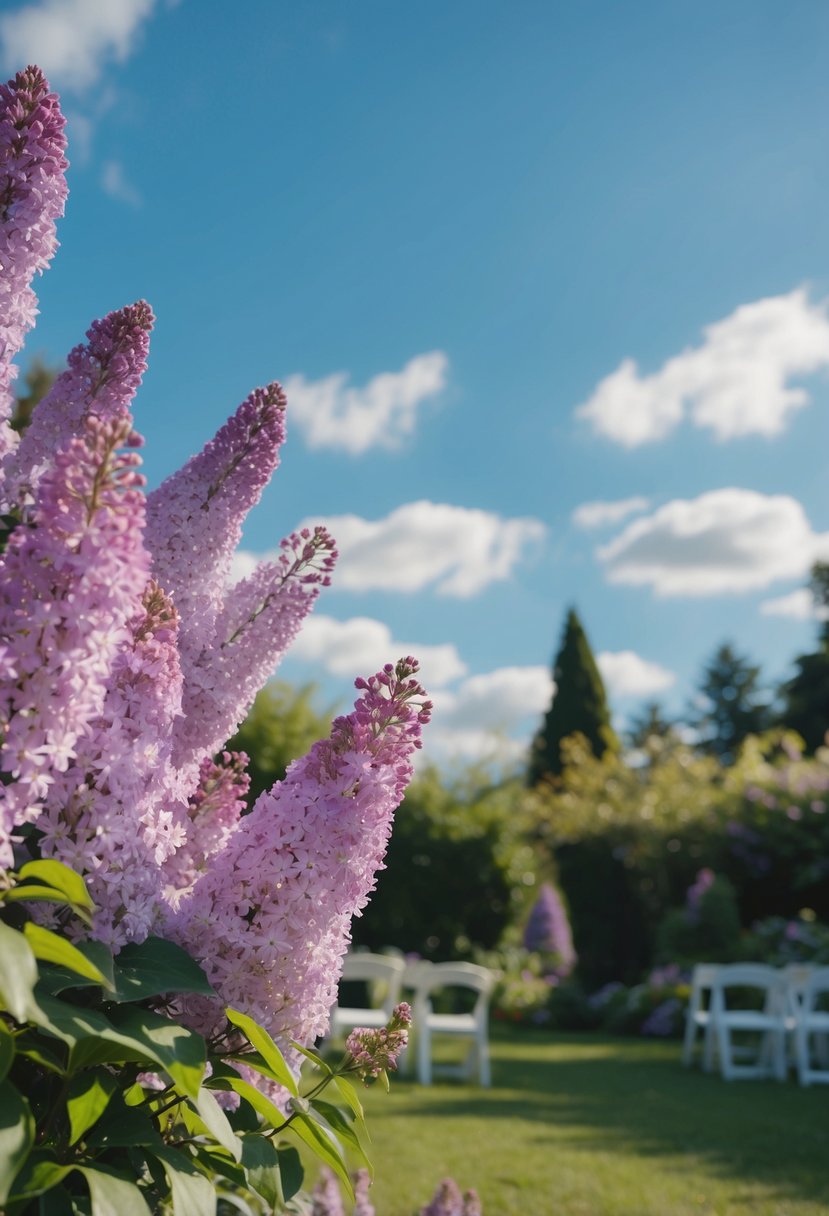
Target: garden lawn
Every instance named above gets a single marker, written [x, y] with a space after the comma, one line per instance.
[581, 1125]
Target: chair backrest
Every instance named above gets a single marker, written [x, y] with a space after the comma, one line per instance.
[385, 968]
[816, 984]
[748, 975]
[702, 980]
[453, 975]
[796, 976]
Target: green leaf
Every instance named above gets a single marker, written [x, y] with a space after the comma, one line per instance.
[216, 1122]
[55, 979]
[34, 893]
[111, 1194]
[50, 947]
[260, 1158]
[349, 1095]
[324, 1145]
[181, 1052]
[6, 1050]
[17, 1135]
[316, 1060]
[124, 1127]
[154, 967]
[216, 1161]
[193, 1194]
[41, 1051]
[18, 973]
[40, 1173]
[343, 1124]
[290, 1171]
[271, 1113]
[264, 1044]
[129, 1035]
[88, 1097]
[56, 874]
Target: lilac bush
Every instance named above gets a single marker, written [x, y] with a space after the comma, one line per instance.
[126, 661]
[548, 930]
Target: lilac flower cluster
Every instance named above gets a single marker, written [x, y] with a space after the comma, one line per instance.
[376, 1051]
[548, 930]
[448, 1201]
[326, 1199]
[32, 196]
[126, 660]
[703, 883]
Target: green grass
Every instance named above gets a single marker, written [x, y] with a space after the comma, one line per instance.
[589, 1126]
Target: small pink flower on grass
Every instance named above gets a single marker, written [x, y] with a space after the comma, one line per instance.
[376, 1051]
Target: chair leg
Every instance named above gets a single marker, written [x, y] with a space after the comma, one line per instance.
[724, 1051]
[424, 1055]
[689, 1039]
[484, 1071]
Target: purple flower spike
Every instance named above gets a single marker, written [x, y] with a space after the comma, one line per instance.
[32, 197]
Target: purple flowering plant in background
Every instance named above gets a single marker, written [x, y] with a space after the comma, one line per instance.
[127, 661]
[548, 930]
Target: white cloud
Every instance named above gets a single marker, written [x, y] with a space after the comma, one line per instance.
[599, 514]
[725, 541]
[361, 645]
[627, 674]
[72, 40]
[381, 414]
[475, 721]
[799, 605]
[115, 184]
[458, 551]
[735, 383]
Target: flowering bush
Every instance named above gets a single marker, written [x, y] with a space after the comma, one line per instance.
[126, 662]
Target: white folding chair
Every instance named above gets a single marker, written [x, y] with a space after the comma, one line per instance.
[698, 1015]
[811, 1018]
[473, 1025]
[383, 974]
[769, 1022]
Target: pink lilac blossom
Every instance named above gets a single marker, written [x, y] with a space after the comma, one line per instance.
[378, 1050]
[213, 811]
[194, 519]
[548, 930]
[448, 1201]
[259, 620]
[326, 1199]
[270, 919]
[703, 883]
[32, 197]
[102, 376]
[362, 1203]
[68, 586]
[120, 821]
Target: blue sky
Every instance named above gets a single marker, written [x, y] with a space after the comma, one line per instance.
[509, 260]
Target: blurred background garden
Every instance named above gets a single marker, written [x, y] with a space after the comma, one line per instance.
[547, 287]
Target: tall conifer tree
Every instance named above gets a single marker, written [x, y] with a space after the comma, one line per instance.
[579, 705]
[806, 695]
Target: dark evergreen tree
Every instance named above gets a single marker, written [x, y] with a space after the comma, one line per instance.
[806, 696]
[649, 724]
[579, 705]
[730, 705]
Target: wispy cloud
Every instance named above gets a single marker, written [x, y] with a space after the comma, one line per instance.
[725, 541]
[456, 551]
[72, 40]
[737, 382]
[798, 605]
[381, 414]
[115, 184]
[601, 514]
[627, 674]
[361, 645]
[476, 720]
